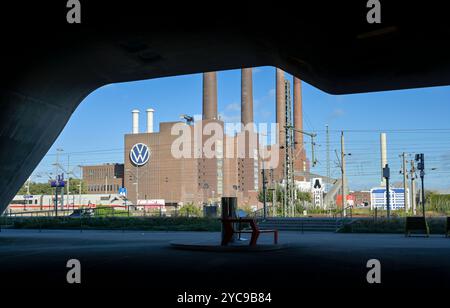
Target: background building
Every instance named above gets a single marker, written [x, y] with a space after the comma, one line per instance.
[362, 198]
[151, 171]
[103, 179]
[378, 198]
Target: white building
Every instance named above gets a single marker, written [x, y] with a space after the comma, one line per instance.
[378, 198]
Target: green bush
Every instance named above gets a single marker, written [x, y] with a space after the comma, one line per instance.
[115, 223]
[394, 225]
[438, 203]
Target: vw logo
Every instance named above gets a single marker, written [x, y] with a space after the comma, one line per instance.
[140, 154]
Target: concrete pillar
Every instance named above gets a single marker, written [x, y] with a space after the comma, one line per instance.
[135, 125]
[209, 96]
[383, 150]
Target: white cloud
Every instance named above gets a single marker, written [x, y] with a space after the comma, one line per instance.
[230, 118]
[338, 113]
[233, 107]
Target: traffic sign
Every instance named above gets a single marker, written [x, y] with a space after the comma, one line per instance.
[123, 191]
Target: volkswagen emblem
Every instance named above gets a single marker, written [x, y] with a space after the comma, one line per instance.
[140, 154]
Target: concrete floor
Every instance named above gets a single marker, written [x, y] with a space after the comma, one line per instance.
[145, 259]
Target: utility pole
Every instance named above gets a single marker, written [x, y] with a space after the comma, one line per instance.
[62, 191]
[57, 166]
[328, 159]
[56, 197]
[344, 197]
[68, 180]
[422, 176]
[264, 191]
[79, 195]
[28, 185]
[137, 185]
[412, 173]
[290, 131]
[57, 159]
[386, 176]
[274, 202]
[264, 185]
[405, 184]
[288, 200]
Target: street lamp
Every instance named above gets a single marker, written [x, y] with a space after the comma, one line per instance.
[263, 173]
[137, 176]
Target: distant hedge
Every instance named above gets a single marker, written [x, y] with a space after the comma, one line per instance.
[394, 225]
[114, 223]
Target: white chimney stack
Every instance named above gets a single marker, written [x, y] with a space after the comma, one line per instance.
[383, 156]
[135, 113]
[150, 112]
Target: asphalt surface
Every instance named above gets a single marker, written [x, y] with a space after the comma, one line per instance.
[29, 258]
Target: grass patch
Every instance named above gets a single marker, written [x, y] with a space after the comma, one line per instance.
[115, 223]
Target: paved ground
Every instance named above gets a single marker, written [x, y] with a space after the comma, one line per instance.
[145, 259]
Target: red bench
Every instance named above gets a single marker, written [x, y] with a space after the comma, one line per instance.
[447, 230]
[229, 230]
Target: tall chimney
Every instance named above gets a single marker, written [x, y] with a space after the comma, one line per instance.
[383, 156]
[135, 113]
[209, 96]
[298, 113]
[246, 96]
[281, 105]
[150, 112]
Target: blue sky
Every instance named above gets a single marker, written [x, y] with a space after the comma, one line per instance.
[415, 120]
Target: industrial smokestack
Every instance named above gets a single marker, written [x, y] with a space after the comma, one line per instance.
[383, 156]
[209, 96]
[281, 105]
[246, 96]
[298, 113]
[150, 112]
[135, 113]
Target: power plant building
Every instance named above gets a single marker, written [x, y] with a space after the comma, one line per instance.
[195, 161]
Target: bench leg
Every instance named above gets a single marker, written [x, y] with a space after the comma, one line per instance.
[254, 238]
[275, 237]
[227, 238]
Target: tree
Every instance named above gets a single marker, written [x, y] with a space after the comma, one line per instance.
[37, 189]
[269, 194]
[75, 184]
[190, 210]
[304, 196]
[279, 192]
[46, 189]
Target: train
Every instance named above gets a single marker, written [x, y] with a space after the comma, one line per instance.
[47, 202]
[28, 203]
